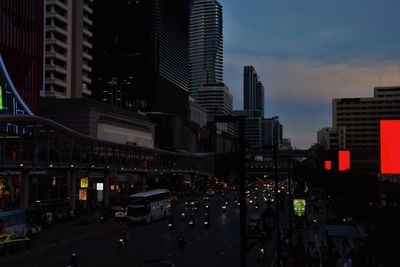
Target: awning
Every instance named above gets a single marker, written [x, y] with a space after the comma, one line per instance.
[344, 231]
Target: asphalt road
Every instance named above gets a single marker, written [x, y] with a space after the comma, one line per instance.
[95, 244]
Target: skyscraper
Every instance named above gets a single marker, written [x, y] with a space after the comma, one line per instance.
[68, 48]
[206, 43]
[141, 53]
[253, 93]
[21, 46]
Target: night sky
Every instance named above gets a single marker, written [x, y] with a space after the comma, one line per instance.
[307, 52]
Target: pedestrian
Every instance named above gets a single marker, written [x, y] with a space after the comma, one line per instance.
[49, 218]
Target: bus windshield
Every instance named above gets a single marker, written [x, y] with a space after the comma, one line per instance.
[138, 201]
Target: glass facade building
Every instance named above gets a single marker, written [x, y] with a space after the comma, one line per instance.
[141, 55]
[21, 46]
[206, 43]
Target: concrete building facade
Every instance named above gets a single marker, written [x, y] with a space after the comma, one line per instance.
[217, 100]
[68, 48]
[356, 120]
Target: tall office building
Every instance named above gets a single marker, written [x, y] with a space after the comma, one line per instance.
[253, 91]
[206, 43]
[21, 47]
[272, 132]
[68, 53]
[141, 51]
[356, 120]
[216, 100]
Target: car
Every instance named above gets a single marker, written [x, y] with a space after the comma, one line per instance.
[12, 242]
[120, 214]
[210, 192]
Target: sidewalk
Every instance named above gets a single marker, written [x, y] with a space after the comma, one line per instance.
[64, 233]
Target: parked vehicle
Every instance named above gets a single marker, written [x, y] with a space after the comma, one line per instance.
[11, 242]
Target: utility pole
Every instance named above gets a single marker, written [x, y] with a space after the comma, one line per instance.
[278, 243]
[242, 182]
[290, 198]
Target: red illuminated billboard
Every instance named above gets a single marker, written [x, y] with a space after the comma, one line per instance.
[390, 146]
[344, 160]
[328, 165]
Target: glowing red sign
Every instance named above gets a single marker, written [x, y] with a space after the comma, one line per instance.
[344, 160]
[328, 165]
[390, 146]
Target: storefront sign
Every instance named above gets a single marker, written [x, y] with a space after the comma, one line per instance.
[344, 160]
[328, 165]
[99, 186]
[390, 146]
[83, 194]
[84, 182]
[299, 206]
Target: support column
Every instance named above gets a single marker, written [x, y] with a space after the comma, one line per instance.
[72, 188]
[106, 190]
[24, 193]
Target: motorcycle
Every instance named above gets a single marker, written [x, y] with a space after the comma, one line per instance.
[183, 215]
[192, 223]
[121, 244]
[224, 207]
[206, 223]
[171, 226]
[181, 243]
[261, 256]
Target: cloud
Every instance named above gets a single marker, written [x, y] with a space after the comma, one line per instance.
[301, 91]
[308, 52]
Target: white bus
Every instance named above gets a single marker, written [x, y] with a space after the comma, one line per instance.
[149, 206]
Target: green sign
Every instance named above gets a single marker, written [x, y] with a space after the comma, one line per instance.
[1, 98]
[299, 206]
[84, 182]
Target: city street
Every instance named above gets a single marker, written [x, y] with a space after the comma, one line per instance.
[95, 244]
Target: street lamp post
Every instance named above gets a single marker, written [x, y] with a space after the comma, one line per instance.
[242, 182]
[278, 243]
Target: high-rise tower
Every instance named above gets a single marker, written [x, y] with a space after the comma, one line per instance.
[206, 44]
[68, 48]
[141, 53]
[253, 91]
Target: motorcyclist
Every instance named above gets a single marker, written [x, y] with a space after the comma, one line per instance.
[181, 241]
[193, 220]
[73, 262]
[124, 236]
[171, 222]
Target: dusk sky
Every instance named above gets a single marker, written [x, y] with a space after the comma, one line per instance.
[307, 52]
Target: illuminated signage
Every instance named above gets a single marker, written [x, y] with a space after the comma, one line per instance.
[99, 186]
[299, 206]
[344, 160]
[83, 194]
[1, 98]
[84, 182]
[390, 146]
[328, 165]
